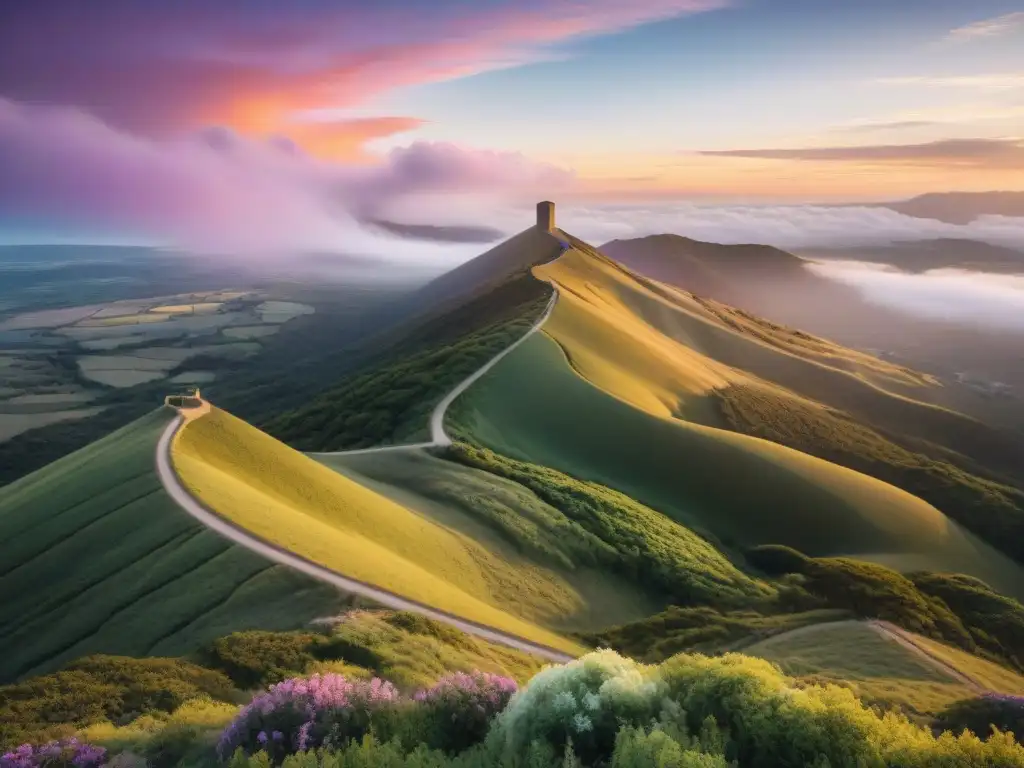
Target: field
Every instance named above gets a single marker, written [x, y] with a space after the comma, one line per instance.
[88, 351]
[99, 560]
[286, 498]
[879, 670]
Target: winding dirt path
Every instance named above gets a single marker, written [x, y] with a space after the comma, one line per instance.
[904, 638]
[438, 438]
[177, 491]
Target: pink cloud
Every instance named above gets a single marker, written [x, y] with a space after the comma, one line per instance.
[215, 190]
[158, 68]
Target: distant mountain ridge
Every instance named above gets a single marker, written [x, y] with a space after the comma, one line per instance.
[960, 207]
[923, 255]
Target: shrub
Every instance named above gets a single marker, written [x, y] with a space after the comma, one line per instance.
[981, 715]
[302, 713]
[776, 559]
[459, 708]
[96, 689]
[66, 753]
[582, 703]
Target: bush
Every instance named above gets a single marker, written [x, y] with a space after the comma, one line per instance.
[582, 703]
[66, 753]
[776, 559]
[100, 688]
[981, 715]
[303, 713]
[459, 708]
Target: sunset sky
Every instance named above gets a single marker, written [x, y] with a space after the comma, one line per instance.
[603, 102]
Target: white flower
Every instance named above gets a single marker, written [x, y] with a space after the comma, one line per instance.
[564, 702]
[592, 702]
[581, 723]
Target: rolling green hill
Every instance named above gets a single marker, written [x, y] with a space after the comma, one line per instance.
[98, 559]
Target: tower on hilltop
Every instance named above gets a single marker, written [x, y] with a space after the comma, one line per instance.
[546, 216]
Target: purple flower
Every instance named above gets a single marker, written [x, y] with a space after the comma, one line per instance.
[302, 712]
[55, 753]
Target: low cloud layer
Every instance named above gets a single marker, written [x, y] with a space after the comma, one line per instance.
[216, 191]
[989, 301]
[789, 227]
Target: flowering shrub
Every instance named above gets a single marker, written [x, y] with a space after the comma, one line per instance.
[66, 753]
[459, 708]
[584, 702]
[303, 713]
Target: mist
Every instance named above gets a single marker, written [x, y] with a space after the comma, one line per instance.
[968, 298]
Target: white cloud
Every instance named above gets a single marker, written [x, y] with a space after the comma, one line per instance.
[986, 28]
[1004, 81]
[991, 301]
[792, 227]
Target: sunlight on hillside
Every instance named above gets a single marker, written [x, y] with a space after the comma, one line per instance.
[284, 497]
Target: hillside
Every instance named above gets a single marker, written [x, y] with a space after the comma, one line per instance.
[98, 559]
[518, 253]
[638, 360]
[961, 207]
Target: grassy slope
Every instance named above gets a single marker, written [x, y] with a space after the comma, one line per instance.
[553, 581]
[878, 669]
[392, 400]
[99, 559]
[285, 497]
[535, 408]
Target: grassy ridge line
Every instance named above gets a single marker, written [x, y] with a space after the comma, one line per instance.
[175, 487]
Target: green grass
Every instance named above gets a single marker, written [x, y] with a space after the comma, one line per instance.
[98, 559]
[391, 402]
[992, 510]
[511, 521]
[880, 671]
[286, 498]
[740, 491]
[702, 629]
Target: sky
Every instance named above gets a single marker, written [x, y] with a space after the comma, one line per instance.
[255, 124]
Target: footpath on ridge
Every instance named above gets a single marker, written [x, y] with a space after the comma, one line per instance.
[439, 438]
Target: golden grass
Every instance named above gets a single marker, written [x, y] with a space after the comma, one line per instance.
[287, 498]
[989, 675]
[879, 670]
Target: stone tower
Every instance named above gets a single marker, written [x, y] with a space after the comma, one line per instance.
[546, 216]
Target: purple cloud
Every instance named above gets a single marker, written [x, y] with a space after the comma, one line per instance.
[216, 190]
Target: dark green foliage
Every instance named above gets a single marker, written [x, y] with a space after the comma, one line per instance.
[257, 659]
[776, 559]
[98, 688]
[982, 714]
[996, 622]
[703, 629]
[418, 624]
[626, 536]
[392, 400]
[991, 509]
[877, 592]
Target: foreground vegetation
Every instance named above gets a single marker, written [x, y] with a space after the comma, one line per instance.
[162, 707]
[600, 710]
